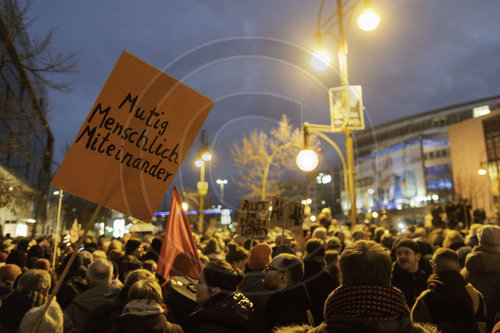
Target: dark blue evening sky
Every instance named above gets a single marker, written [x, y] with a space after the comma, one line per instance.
[251, 57]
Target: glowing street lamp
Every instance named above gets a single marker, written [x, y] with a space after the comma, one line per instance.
[307, 159]
[482, 172]
[369, 19]
[206, 156]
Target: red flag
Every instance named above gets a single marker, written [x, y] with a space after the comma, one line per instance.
[178, 254]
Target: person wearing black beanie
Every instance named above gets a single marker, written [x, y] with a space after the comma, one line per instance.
[407, 273]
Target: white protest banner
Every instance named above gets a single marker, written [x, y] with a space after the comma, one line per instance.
[253, 219]
[286, 213]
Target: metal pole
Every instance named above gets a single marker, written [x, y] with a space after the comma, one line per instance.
[202, 179]
[221, 193]
[344, 81]
[56, 232]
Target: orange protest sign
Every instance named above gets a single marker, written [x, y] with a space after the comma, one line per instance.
[134, 139]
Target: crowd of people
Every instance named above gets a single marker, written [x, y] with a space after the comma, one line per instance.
[336, 278]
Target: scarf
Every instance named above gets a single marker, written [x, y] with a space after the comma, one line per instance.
[368, 302]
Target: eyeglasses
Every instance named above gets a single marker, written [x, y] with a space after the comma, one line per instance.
[269, 268]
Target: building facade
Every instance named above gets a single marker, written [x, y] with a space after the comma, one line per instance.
[26, 141]
[475, 155]
[406, 163]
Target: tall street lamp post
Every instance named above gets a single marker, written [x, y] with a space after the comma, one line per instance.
[202, 186]
[221, 183]
[346, 106]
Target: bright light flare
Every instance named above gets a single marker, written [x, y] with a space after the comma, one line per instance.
[320, 60]
[185, 206]
[368, 20]
[198, 163]
[482, 172]
[206, 157]
[307, 160]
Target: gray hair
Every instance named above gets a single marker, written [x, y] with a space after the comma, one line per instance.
[489, 235]
[99, 272]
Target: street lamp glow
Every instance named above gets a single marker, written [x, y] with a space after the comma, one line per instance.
[368, 20]
[375, 215]
[320, 60]
[307, 160]
[482, 172]
[185, 206]
[221, 181]
[309, 201]
[206, 156]
[198, 163]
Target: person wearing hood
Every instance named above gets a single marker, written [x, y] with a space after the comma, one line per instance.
[90, 310]
[482, 270]
[450, 303]
[221, 307]
[144, 313]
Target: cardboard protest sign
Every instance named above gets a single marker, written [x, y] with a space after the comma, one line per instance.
[134, 139]
[286, 213]
[253, 219]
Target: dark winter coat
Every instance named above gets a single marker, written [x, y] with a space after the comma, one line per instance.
[71, 287]
[320, 284]
[450, 303]
[289, 306]
[411, 284]
[90, 310]
[141, 316]
[252, 286]
[221, 314]
[359, 325]
[482, 270]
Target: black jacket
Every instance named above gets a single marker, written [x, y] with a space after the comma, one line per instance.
[448, 304]
[289, 306]
[411, 284]
[221, 314]
[320, 284]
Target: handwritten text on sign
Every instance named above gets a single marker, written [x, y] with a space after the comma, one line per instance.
[253, 219]
[134, 139]
[286, 213]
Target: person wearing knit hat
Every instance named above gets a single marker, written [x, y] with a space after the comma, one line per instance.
[252, 284]
[407, 273]
[366, 301]
[411, 244]
[259, 257]
[8, 275]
